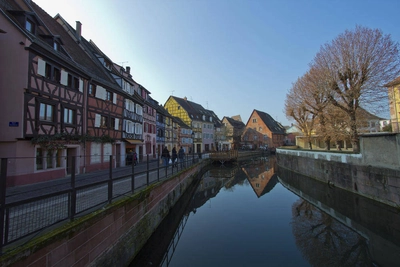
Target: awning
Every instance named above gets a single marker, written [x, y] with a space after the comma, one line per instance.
[134, 141]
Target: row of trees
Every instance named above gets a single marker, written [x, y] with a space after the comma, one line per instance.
[349, 72]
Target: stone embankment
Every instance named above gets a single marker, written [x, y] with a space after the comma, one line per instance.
[373, 173]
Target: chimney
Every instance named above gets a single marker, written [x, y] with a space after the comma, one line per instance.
[128, 70]
[185, 98]
[78, 30]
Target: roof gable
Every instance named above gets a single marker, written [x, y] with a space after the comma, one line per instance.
[273, 126]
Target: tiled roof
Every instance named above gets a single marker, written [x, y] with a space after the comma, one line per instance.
[235, 123]
[273, 126]
[196, 111]
[394, 82]
[181, 123]
[237, 118]
[73, 49]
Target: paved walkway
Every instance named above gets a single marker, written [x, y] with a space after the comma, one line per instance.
[24, 219]
[18, 193]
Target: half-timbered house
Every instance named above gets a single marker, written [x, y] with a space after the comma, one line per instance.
[43, 95]
[200, 119]
[149, 124]
[160, 128]
[64, 112]
[105, 102]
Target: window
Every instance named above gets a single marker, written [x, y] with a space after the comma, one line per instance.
[114, 123]
[104, 122]
[109, 96]
[58, 157]
[73, 82]
[56, 46]
[95, 152]
[39, 159]
[107, 152]
[56, 75]
[69, 116]
[107, 64]
[254, 120]
[46, 112]
[30, 26]
[76, 83]
[92, 89]
[69, 83]
[49, 159]
[48, 71]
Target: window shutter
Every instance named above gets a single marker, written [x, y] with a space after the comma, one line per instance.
[80, 85]
[114, 98]
[101, 92]
[64, 77]
[97, 120]
[41, 67]
[116, 127]
[98, 92]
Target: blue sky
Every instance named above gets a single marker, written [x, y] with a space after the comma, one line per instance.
[230, 56]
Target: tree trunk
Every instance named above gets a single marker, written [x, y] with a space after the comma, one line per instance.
[355, 142]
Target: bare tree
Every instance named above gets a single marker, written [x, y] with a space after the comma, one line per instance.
[356, 65]
[295, 109]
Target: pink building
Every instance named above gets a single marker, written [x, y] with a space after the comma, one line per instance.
[57, 108]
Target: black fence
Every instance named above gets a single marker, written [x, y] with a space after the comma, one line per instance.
[31, 209]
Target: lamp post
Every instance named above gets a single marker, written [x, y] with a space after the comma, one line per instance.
[193, 145]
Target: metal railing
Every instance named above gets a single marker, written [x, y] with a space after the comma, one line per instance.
[28, 210]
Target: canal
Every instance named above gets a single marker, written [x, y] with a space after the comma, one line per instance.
[257, 215]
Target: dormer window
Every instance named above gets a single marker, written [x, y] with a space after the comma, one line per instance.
[56, 46]
[29, 26]
[107, 64]
[26, 19]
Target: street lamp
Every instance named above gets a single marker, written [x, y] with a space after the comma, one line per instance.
[193, 145]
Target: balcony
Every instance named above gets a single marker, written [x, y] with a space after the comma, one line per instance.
[132, 136]
[133, 116]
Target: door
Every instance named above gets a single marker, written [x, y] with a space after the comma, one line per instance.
[71, 153]
[118, 155]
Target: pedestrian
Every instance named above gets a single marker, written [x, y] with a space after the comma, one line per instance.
[165, 156]
[174, 156]
[181, 156]
[135, 159]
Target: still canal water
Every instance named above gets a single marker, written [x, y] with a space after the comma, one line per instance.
[256, 215]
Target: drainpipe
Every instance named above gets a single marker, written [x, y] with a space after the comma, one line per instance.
[84, 124]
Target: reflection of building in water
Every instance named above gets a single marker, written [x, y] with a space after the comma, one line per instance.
[208, 188]
[261, 176]
[223, 171]
[334, 226]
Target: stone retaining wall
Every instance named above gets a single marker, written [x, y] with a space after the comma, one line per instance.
[347, 171]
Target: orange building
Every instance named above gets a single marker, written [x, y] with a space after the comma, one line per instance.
[273, 132]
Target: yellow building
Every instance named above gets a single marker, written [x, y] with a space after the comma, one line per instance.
[201, 120]
[394, 103]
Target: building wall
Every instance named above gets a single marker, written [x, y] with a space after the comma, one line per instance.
[394, 106]
[274, 140]
[14, 79]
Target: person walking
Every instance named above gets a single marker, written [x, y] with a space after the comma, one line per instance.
[174, 157]
[181, 156]
[165, 156]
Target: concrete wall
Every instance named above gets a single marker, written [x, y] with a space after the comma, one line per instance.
[108, 237]
[374, 173]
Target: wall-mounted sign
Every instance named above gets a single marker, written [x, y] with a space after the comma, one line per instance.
[13, 124]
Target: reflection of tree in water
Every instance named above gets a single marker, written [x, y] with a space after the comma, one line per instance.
[325, 241]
